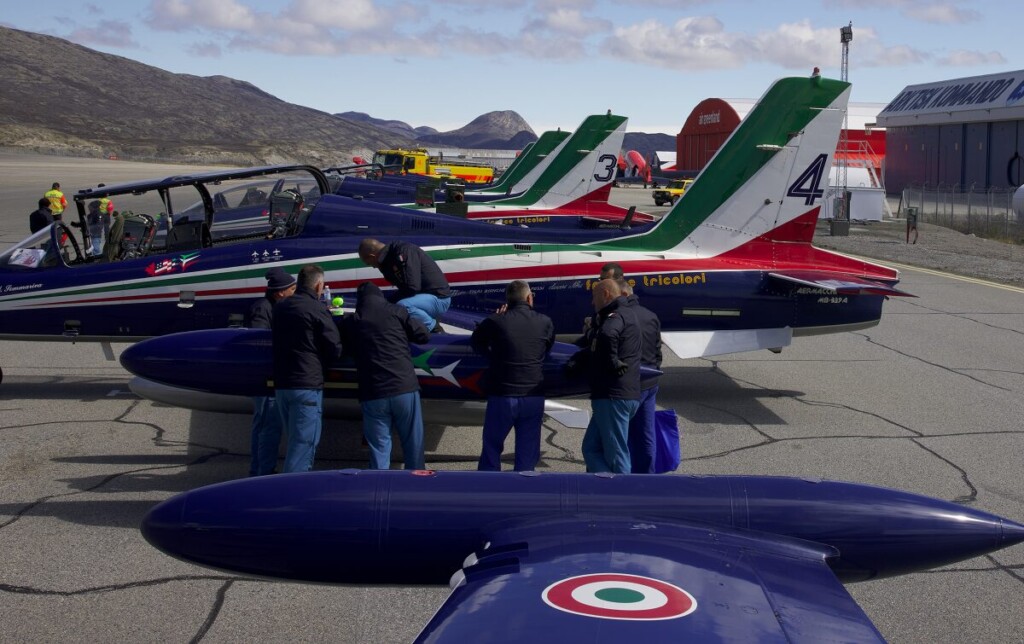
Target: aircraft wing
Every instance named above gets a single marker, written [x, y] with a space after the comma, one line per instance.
[838, 283]
[701, 344]
[607, 580]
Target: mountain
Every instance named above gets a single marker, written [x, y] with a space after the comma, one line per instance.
[61, 97]
[398, 127]
[502, 130]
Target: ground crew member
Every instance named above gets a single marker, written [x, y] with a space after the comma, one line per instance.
[515, 341]
[642, 439]
[422, 287]
[57, 201]
[306, 342]
[41, 217]
[266, 421]
[378, 337]
[612, 361]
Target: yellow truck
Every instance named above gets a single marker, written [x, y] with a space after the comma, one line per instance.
[670, 194]
[418, 161]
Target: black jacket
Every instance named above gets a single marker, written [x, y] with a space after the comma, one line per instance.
[650, 336]
[260, 314]
[377, 335]
[612, 358]
[39, 219]
[306, 341]
[409, 268]
[516, 343]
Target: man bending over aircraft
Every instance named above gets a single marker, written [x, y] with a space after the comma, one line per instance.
[306, 341]
[422, 287]
[612, 360]
[515, 341]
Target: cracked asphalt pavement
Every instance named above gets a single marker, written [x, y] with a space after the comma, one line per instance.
[928, 401]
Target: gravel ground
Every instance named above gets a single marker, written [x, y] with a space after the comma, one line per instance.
[937, 248]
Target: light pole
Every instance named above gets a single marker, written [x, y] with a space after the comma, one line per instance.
[843, 216]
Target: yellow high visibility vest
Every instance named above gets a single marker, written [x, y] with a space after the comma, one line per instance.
[57, 201]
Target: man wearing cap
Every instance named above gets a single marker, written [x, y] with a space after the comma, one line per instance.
[266, 421]
[306, 342]
[422, 287]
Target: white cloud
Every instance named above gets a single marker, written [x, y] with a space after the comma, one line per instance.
[571, 21]
[690, 43]
[183, 15]
[965, 58]
[799, 46]
[350, 15]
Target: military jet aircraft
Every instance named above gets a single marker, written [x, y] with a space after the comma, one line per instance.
[549, 557]
[729, 268]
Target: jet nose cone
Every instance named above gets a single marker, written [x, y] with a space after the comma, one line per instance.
[163, 525]
[1013, 532]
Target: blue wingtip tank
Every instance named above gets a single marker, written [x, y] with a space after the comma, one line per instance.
[402, 527]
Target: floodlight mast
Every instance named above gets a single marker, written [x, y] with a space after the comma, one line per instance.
[845, 36]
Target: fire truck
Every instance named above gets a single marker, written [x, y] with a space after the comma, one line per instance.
[418, 161]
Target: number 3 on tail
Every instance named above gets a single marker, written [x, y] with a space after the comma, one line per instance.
[808, 184]
[609, 161]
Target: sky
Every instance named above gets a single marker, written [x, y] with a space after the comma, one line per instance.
[443, 63]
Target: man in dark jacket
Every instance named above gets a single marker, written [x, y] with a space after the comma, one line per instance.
[378, 337]
[516, 341]
[266, 421]
[41, 217]
[642, 440]
[613, 363]
[306, 341]
[422, 287]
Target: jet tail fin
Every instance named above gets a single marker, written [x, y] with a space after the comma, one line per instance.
[580, 165]
[765, 182]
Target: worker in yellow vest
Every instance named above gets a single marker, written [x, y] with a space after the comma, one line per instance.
[57, 201]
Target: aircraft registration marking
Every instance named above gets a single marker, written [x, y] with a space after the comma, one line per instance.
[619, 596]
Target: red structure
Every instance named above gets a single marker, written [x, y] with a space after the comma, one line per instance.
[706, 129]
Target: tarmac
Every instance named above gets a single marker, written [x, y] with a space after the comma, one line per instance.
[928, 401]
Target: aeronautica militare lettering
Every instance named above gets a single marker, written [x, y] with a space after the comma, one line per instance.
[962, 94]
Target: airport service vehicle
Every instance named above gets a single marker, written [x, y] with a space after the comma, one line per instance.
[548, 557]
[729, 268]
[672, 192]
[419, 161]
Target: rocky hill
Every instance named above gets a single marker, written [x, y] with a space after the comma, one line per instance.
[502, 130]
[64, 98]
[398, 127]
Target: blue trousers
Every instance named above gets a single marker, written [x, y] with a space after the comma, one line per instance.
[301, 411]
[426, 308]
[266, 435]
[401, 413]
[642, 441]
[605, 443]
[525, 413]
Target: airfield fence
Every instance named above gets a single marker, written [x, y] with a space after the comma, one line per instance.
[984, 213]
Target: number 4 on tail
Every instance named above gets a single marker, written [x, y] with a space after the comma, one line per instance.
[808, 184]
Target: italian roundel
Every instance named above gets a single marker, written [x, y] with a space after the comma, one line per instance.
[619, 596]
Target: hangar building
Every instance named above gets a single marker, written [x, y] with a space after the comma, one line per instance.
[957, 134]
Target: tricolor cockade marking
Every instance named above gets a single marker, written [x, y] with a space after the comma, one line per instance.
[619, 596]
